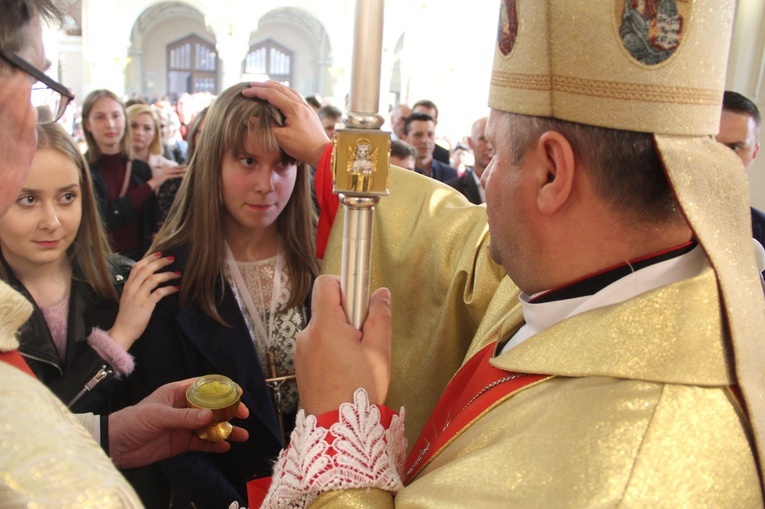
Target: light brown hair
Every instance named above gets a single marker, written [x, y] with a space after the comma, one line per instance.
[195, 216]
[94, 153]
[90, 247]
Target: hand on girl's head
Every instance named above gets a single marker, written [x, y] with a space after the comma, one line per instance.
[145, 286]
[302, 137]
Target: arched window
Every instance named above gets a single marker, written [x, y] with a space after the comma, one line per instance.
[192, 66]
[269, 59]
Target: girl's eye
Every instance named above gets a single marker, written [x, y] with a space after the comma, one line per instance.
[247, 161]
[26, 200]
[68, 197]
[285, 165]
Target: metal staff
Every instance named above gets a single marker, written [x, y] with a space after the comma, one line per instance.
[360, 159]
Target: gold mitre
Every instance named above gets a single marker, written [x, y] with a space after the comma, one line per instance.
[603, 63]
[655, 66]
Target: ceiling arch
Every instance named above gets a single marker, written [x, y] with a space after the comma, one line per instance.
[160, 12]
[298, 18]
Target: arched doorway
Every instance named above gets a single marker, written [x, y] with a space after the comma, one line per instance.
[291, 45]
[192, 66]
[269, 60]
[172, 51]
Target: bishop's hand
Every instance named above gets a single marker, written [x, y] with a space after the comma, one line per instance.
[333, 358]
[302, 135]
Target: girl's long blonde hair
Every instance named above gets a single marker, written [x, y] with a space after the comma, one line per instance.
[195, 216]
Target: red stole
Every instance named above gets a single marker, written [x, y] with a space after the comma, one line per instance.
[475, 389]
[327, 200]
[15, 359]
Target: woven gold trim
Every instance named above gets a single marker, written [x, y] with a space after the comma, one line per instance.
[636, 91]
[607, 89]
[523, 81]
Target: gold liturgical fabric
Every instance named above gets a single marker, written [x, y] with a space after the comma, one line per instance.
[429, 246]
[47, 458]
[624, 65]
[639, 405]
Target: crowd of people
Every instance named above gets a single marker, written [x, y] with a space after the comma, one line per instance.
[568, 307]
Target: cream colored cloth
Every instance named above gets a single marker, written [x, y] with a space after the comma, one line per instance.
[47, 458]
[158, 161]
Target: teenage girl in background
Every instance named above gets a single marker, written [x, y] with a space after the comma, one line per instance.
[54, 251]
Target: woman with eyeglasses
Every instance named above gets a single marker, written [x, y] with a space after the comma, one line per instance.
[89, 306]
[124, 187]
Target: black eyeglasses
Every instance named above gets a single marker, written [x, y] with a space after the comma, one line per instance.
[49, 97]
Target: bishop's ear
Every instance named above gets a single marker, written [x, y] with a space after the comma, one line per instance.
[555, 175]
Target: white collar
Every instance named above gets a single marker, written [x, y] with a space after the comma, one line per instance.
[540, 316]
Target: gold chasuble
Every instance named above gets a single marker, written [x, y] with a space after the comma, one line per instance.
[430, 247]
[628, 417]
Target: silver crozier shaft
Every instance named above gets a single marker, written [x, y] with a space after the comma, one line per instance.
[360, 160]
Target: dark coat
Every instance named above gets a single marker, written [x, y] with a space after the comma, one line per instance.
[758, 227]
[184, 342]
[114, 213]
[440, 171]
[466, 185]
[441, 154]
[83, 381]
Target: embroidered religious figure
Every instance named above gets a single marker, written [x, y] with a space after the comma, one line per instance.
[652, 29]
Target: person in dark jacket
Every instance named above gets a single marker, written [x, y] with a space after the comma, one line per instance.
[419, 131]
[469, 183]
[242, 231]
[124, 188]
[89, 305]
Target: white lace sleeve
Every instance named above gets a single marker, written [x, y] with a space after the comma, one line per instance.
[362, 454]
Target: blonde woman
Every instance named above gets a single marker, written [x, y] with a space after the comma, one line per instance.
[145, 144]
[144, 137]
[242, 233]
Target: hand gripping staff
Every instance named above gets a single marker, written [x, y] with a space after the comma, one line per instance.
[360, 158]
